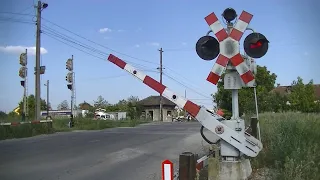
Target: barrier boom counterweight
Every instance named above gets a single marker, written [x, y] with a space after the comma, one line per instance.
[247, 144]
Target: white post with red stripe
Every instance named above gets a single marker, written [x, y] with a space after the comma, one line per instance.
[167, 170]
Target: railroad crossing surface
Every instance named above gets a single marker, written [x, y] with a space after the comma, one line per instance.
[117, 154]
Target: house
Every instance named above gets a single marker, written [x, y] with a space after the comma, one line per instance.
[284, 90]
[151, 108]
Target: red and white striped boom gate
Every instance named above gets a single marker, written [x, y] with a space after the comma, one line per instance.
[229, 48]
[27, 122]
[247, 144]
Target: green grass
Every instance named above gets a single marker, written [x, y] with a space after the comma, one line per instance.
[25, 130]
[291, 145]
[58, 125]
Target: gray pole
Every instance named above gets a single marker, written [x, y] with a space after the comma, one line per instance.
[48, 99]
[235, 92]
[72, 87]
[161, 113]
[25, 89]
[37, 73]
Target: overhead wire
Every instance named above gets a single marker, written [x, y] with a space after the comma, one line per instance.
[56, 35]
[99, 43]
[195, 91]
[53, 33]
[112, 49]
[102, 55]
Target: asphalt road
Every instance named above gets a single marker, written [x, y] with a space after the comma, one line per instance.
[111, 154]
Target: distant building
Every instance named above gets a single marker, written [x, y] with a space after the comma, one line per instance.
[285, 90]
[151, 108]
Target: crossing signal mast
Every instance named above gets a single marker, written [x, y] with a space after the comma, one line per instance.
[23, 60]
[70, 78]
[235, 142]
[239, 71]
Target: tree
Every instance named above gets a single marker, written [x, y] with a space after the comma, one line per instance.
[302, 97]
[133, 99]
[3, 115]
[101, 102]
[64, 105]
[31, 106]
[265, 83]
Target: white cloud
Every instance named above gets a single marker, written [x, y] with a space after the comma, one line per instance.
[184, 43]
[21, 49]
[153, 44]
[137, 45]
[103, 30]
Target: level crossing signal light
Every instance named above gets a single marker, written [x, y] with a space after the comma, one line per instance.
[229, 14]
[22, 83]
[207, 48]
[256, 45]
[69, 86]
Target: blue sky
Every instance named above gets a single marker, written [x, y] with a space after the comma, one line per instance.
[138, 29]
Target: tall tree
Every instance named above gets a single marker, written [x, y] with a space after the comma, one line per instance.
[265, 83]
[302, 96]
[31, 106]
[100, 102]
[64, 105]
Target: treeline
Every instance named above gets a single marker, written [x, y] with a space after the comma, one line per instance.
[129, 105]
[298, 97]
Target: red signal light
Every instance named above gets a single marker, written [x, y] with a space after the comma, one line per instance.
[256, 45]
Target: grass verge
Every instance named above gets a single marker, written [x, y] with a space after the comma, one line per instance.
[25, 130]
[58, 125]
[291, 146]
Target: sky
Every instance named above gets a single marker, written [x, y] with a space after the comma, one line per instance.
[134, 31]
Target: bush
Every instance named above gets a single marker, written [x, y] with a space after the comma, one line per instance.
[291, 145]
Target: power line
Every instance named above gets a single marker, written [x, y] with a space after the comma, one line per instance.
[187, 86]
[108, 47]
[21, 14]
[103, 56]
[99, 44]
[187, 81]
[16, 21]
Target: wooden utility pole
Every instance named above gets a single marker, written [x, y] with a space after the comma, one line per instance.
[37, 69]
[161, 113]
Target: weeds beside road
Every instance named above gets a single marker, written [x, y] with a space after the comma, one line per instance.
[291, 146]
[58, 125]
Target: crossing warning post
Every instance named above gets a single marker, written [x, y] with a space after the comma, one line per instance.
[167, 170]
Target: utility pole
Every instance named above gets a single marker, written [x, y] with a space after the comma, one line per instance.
[38, 69]
[72, 87]
[161, 113]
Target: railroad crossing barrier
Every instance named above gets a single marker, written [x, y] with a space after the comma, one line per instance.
[26, 122]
